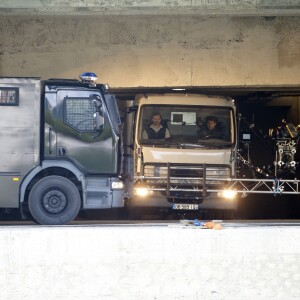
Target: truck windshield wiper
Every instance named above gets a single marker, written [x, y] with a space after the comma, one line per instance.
[191, 145]
[217, 144]
[156, 143]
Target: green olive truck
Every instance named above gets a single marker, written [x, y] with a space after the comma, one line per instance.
[61, 149]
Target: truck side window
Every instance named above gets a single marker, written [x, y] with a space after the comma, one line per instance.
[9, 96]
[78, 114]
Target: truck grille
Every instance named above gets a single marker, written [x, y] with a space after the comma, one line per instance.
[176, 171]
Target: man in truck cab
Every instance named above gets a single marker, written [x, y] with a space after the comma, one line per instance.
[156, 130]
[212, 129]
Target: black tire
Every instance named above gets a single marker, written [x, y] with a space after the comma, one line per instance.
[54, 200]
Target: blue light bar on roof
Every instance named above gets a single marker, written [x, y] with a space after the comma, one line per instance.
[88, 77]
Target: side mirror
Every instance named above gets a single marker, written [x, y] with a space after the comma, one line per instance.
[98, 115]
[132, 109]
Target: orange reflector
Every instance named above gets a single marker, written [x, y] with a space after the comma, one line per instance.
[16, 178]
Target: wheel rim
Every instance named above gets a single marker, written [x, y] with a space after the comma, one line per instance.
[54, 201]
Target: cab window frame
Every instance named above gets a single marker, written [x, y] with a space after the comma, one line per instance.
[156, 107]
[67, 117]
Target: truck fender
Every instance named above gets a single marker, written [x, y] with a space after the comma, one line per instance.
[45, 165]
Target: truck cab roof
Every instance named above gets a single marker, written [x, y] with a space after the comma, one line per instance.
[184, 99]
[53, 83]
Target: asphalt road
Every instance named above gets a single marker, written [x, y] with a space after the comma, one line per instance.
[258, 207]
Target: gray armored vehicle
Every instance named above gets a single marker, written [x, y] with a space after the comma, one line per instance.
[60, 148]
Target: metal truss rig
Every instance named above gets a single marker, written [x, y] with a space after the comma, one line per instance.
[274, 186]
[243, 186]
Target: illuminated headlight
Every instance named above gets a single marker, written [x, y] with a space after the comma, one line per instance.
[141, 191]
[117, 185]
[228, 194]
[150, 171]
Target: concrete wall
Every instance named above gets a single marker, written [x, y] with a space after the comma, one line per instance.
[155, 50]
[148, 263]
[133, 7]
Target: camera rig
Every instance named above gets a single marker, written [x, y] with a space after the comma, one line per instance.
[283, 144]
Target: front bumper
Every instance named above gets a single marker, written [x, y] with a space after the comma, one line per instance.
[181, 183]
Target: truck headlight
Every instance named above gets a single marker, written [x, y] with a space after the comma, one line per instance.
[229, 194]
[141, 191]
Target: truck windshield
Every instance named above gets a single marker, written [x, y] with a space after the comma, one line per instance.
[186, 126]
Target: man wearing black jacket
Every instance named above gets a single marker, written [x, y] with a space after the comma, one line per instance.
[156, 130]
[212, 129]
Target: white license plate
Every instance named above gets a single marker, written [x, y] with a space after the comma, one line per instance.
[186, 206]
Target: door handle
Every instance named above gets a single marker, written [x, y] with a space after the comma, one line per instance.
[49, 136]
[62, 151]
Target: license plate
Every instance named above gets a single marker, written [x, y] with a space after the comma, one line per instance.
[186, 206]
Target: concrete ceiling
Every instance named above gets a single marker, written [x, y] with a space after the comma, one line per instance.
[151, 7]
[240, 93]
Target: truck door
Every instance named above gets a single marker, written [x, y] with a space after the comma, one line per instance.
[83, 138]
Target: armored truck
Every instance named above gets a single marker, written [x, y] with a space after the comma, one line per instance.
[61, 150]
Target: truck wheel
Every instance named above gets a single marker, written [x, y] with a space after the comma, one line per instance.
[54, 200]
